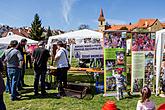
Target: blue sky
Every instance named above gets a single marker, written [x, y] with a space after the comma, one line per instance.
[69, 14]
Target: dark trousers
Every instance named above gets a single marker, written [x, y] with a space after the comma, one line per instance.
[39, 74]
[2, 104]
[22, 73]
[28, 60]
[61, 79]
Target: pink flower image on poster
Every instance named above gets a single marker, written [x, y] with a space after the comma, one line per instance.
[114, 40]
[143, 42]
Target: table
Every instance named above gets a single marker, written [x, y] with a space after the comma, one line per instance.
[94, 72]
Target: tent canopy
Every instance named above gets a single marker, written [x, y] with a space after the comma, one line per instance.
[160, 41]
[80, 34]
[8, 39]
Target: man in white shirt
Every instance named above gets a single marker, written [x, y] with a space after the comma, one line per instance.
[61, 59]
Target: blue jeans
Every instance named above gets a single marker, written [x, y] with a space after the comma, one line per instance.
[7, 83]
[13, 74]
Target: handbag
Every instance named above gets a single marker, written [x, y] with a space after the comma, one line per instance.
[67, 60]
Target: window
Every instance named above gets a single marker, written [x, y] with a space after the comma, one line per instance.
[101, 23]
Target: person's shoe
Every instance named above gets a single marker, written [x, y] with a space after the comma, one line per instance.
[36, 94]
[63, 94]
[25, 85]
[21, 88]
[44, 93]
[16, 98]
[58, 96]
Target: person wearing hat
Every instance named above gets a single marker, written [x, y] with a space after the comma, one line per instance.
[61, 60]
[40, 57]
[14, 61]
[120, 80]
[21, 48]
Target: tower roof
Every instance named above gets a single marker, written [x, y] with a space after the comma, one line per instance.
[101, 17]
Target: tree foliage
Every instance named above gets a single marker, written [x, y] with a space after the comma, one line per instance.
[49, 33]
[36, 29]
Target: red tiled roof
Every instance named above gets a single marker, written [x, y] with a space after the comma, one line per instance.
[21, 32]
[118, 27]
[142, 23]
[163, 24]
[145, 23]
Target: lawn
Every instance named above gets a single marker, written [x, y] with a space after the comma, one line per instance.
[29, 102]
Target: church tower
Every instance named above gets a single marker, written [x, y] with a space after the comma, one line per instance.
[101, 20]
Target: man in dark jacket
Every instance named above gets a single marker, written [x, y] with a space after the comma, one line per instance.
[2, 88]
[40, 56]
[21, 48]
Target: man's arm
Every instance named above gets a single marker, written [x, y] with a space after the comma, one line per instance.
[20, 59]
[58, 54]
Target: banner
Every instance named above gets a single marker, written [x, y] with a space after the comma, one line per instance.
[88, 51]
[143, 46]
[114, 58]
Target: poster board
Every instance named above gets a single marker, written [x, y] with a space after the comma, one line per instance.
[143, 51]
[88, 51]
[114, 58]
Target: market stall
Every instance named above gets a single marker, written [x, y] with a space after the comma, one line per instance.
[77, 39]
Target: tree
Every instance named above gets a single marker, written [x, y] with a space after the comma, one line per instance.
[49, 33]
[83, 26]
[36, 29]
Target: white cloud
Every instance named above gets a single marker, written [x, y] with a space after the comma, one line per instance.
[116, 21]
[66, 8]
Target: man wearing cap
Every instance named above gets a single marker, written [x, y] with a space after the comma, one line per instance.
[40, 57]
[14, 61]
[61, 59]
[21, 48]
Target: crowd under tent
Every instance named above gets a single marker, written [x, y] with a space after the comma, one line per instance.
[80, 37]
[77, 35]
[5, 41]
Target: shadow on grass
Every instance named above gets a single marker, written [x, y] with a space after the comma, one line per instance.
[132, 96]
[32, 96]
[27, 90]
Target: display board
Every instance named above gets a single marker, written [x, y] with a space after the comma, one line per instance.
[143, 46]
[88, 51]
[114, 58]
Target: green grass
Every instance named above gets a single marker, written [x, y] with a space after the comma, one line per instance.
[29, 102]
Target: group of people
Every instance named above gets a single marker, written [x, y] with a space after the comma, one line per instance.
[15, 63]
[14, 60]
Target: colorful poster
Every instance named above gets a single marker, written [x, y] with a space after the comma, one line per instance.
[138, 69]
[88, 51]
[114, 58]
[143, 46]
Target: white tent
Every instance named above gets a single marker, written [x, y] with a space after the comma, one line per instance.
[8, 39]
[77, 35]
[80, 34]
[160, 37]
